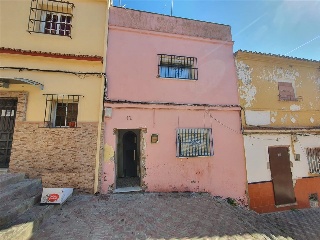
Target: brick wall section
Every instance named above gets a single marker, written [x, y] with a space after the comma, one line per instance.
[63, 157]
[261, 195]
[22, 103]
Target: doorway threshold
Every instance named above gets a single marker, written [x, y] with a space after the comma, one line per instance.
[128, 189]
[3, 170]
[286, 205]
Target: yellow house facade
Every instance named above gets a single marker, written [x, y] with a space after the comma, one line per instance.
[52, 78]
[280, 98]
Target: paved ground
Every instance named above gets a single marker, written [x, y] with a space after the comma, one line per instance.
[172, 216]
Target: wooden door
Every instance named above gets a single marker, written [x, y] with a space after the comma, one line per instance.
[281, 175]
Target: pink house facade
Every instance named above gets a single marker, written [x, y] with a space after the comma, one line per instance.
[172, 114]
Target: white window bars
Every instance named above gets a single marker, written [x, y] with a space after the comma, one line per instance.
[313, 156]
[194, 142]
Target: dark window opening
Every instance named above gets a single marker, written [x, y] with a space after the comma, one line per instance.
[180, 67]
[61, 110]
[194, 142]
[50, 17]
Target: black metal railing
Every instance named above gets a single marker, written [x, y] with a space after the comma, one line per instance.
[8, 109]
[50, 17]
[61, 110]
[181, 67]
[194, 142]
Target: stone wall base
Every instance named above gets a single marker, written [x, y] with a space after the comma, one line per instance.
[62, 157]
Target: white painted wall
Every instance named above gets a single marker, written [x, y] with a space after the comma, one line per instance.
[257, 118]
[300, 146]
[257, 157]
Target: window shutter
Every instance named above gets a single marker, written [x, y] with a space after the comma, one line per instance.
[286, 91]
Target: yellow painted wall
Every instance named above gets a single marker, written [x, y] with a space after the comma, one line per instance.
[88, 31]
[56, 83]
[259, 75]
[88, 38]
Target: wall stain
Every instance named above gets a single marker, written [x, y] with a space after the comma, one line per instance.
[108, 153]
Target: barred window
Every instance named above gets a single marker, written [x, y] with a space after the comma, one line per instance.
[313, 155]
[61, 110]
[181, 67]
[50, 17]
[194, 142]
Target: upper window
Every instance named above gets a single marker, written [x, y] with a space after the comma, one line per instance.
[313, 155]
[194, 142]
[286, 91]
[180, 67]
[51, 17]
[61, 110]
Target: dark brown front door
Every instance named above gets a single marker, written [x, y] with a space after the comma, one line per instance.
[8, 107]
[130, 154]
[281, 175]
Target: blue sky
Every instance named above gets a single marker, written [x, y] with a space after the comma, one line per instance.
[285, 27]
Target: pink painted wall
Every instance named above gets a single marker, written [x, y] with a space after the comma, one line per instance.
[132, 67]
[222, 174]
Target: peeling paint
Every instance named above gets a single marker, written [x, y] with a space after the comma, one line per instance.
[315, 79]
[283, 119]
[247, 91]
[293, 119]
[244, 72]
[311, 120]
[273, 120]
[294, 181]
[274, 113]
[279, 74]
[143, 157]
[108, 153]
[295, 107]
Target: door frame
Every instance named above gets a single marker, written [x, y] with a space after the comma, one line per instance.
[119, 151]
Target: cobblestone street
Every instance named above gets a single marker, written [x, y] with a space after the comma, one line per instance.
[172, 216]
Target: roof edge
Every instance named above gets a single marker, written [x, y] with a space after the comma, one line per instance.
[275, 55]
[50, 54]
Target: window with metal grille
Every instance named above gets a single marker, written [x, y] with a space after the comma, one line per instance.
[50, 17]
[194, 142]
[180, 67]
[61, 110]
[286, 91]
[313, 155]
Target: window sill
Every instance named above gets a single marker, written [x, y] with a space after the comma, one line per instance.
[314, 174]
[296, 99]
[49, 34]
[194, 157]
[291, 100]
[180, 79]
[287, 205]
[62, 127]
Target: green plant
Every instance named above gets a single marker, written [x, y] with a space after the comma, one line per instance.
[231, 201]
